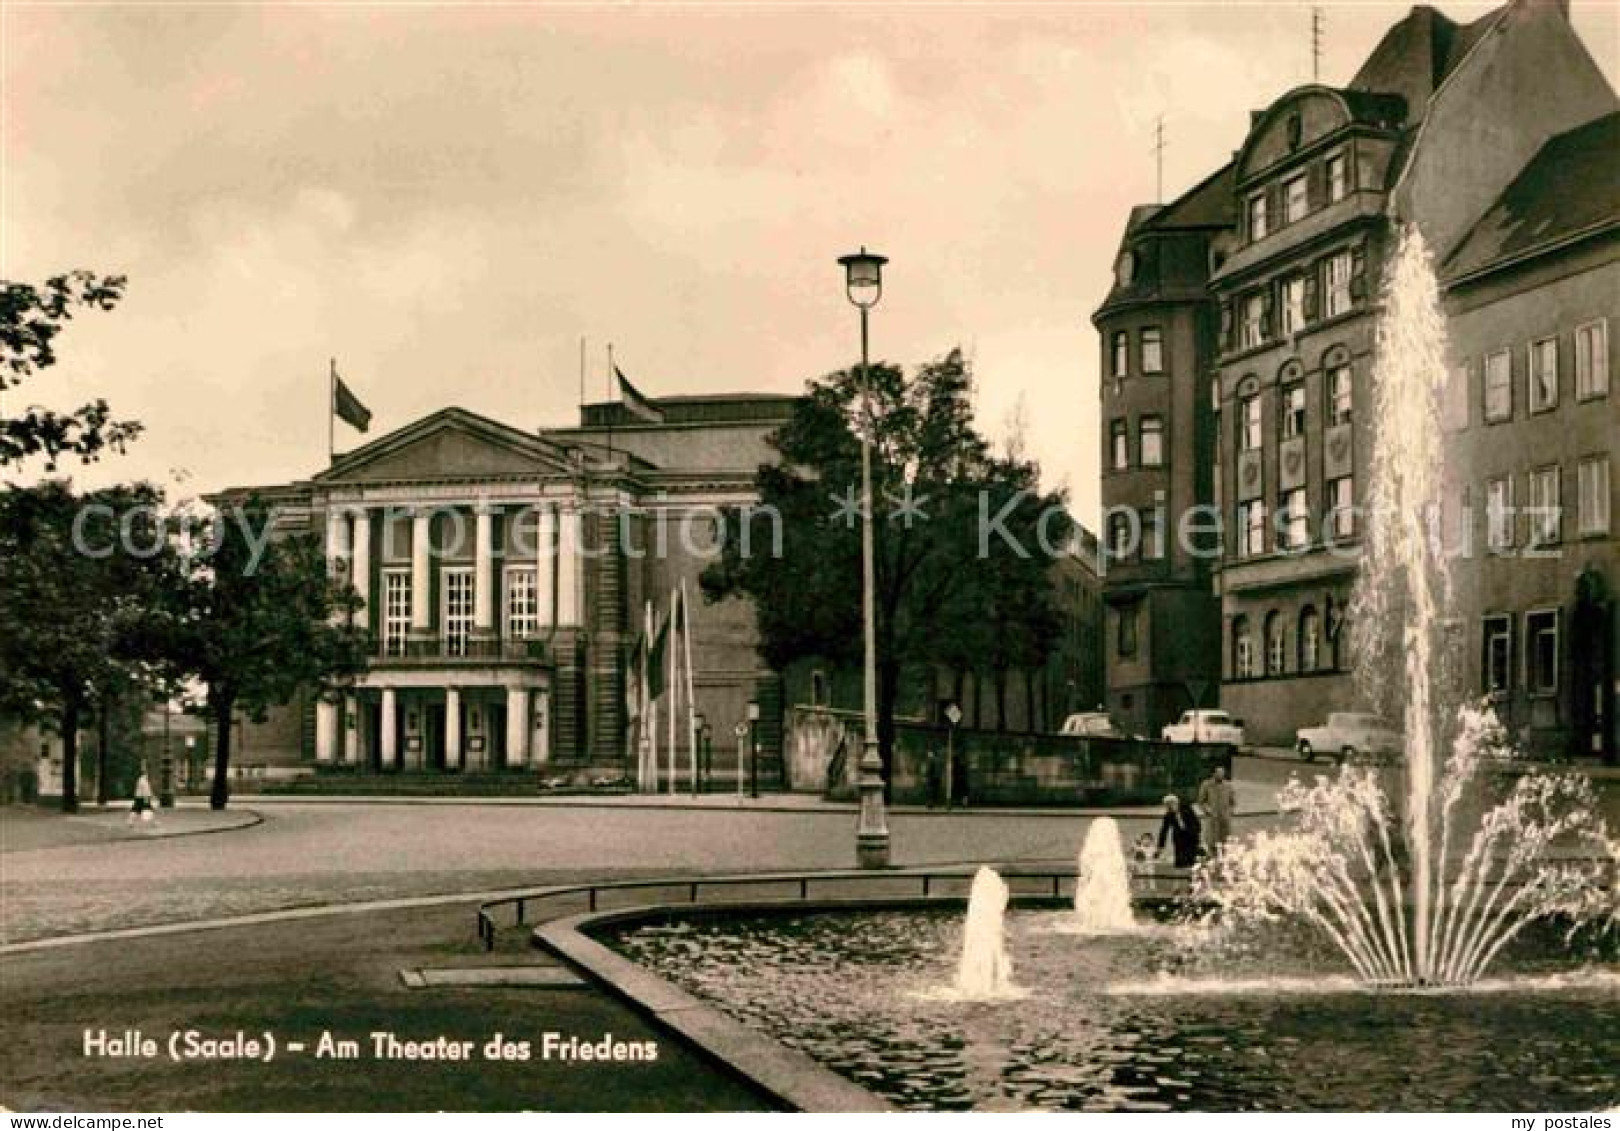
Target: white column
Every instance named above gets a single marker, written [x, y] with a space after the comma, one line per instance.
[517, 726]
[351, 729]
[390, 730]
[568, 559]
[337, 545]
[421, 564]
[483, 572]
[452, 728]
[545, 573]
[326, 731]
[360, 558]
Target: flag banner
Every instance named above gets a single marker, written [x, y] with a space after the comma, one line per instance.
[655, 661]
[347, 406]
[633, 399]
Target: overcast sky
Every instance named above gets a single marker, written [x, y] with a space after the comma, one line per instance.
[447, 199]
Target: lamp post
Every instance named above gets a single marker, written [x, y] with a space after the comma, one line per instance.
[863, 283]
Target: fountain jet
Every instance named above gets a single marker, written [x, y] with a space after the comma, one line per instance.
[985, 969]
[1102, 893]
[1382, 885]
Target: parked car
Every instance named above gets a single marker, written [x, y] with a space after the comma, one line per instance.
[1095, 724]
[1346, 734]
[1205, 725]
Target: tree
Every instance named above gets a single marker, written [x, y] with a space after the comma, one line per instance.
[261, 618]
[30, 319]
[963, 538]
[81, 578]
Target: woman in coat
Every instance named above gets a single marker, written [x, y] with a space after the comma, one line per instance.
[1180, 827]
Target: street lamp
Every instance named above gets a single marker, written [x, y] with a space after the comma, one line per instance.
[863, 283]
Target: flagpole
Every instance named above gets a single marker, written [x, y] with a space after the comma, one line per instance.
[691, 692]
[582, 378]
[610, 374]
[672, 683]
[331, 406]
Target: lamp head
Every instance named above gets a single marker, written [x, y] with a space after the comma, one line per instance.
[863, 277]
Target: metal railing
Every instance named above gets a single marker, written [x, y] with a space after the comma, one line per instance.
[447, 650]
[941, 883]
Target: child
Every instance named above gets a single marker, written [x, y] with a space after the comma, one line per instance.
[142, 809]
[1145, 850]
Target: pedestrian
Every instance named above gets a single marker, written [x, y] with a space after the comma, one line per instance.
[959, 774]
[1216, 803]
[1180, 828]
[142, 809]
[931, 776]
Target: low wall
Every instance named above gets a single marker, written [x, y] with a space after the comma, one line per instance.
[995, 768]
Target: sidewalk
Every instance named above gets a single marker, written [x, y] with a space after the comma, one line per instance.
[41, 826]
[1252, 798]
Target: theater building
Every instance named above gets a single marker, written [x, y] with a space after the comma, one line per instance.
[504, 576]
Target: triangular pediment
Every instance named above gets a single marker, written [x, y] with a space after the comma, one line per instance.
[452, 444]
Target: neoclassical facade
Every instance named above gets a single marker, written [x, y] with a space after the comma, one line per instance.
[503, 576]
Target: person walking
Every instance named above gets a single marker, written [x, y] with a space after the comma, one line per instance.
[142, 809]
[1216, 803]
[931, 776]
[1180, 828]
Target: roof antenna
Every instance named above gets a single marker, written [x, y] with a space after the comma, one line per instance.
[1316, 44]
[1158, 155]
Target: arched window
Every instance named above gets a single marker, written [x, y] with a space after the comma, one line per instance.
[1242, 649]
[1275, 646]
[1310, 639]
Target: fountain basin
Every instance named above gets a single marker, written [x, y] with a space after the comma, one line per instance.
[1106, 1028]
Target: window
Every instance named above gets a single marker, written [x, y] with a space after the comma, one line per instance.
[1119, 535]
[1592, 360]
[1592, 485]
[1242, 649]
[1293, 413]
[1126, 643]
[1152, 438]
[1499, 513]
[1257, 216]
[1338, 177]
[1249, 438]
[458, 609]
[1543, 374]
[1310, 639]
[1152, 350]
[1152, 534]
[1252, 523]
[1339, 394]
[1293, 305]
[1341, 506]
[1253, 330]
[1215, 393]
[1295, 528]
[1336, 275]
[1541, 652]
[1275, 646]
[1546, 517]
[1122, 353]
[1454, 402]
[522, 602]
[396, 610]
[1498, 386]
[1295, 201]
[1119, 445]
[1497, 667]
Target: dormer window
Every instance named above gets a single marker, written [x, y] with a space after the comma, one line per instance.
[1295, 202]
[1257, 217]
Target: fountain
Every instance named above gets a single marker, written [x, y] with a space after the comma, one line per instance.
[1401, 897]
[984, 972]
[1102, 892]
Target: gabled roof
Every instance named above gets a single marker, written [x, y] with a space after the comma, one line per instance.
[453, 443]
[1570, 187]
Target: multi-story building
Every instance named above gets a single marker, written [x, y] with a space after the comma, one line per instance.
[1532, 415]
[1158, 326]
[1436, 129]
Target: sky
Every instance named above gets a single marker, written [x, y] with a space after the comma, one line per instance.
[447, 199]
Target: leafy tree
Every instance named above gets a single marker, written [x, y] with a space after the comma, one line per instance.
[81, 578]
[963, 538]
[30, 319]
[261, 618]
